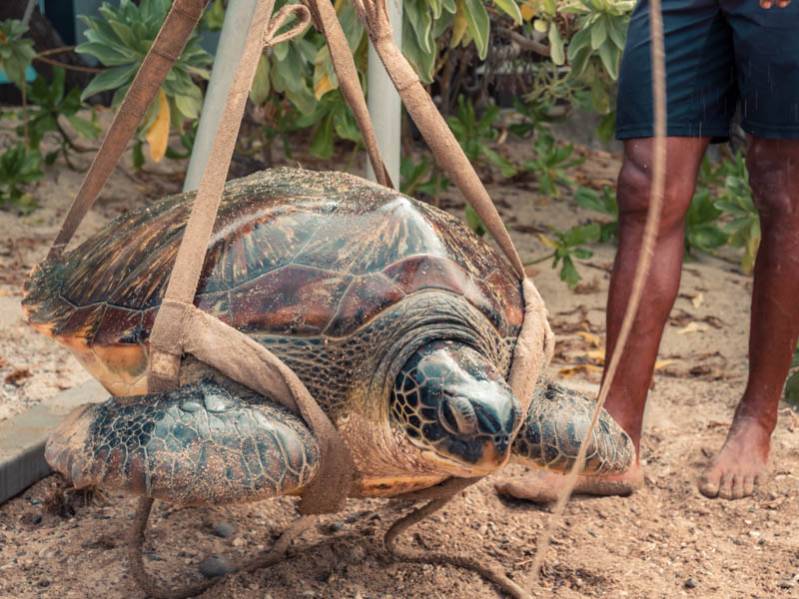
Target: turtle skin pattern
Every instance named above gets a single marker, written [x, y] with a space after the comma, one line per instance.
[556, 423]
[196, 445]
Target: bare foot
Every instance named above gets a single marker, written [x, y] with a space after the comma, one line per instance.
[544, 486]
[741, 464]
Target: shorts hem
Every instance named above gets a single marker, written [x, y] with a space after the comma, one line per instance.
[770, 131]
[642, 131]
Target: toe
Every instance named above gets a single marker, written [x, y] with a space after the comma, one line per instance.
[725, 486]
[749, 486]
[709, 484]
[738, 487]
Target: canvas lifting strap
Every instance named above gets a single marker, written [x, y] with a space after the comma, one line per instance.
[180, 327]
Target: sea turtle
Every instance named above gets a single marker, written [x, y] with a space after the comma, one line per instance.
[399, 320]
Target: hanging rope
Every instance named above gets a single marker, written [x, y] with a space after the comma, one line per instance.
[642, 269]
[155, 588]
[440, 496]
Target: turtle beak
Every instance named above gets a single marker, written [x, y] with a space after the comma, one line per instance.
[478, 425]
[455, 407]
[481, 422]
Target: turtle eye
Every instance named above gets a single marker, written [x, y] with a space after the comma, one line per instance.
[457, 416]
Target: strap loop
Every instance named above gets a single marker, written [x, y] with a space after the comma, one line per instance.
[299, 11]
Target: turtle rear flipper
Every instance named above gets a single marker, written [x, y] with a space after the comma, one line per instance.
[557, 421]
[199, 444]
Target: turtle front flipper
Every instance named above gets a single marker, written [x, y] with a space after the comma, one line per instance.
[199, 444]
[557, 421]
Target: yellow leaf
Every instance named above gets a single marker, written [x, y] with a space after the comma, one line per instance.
[692, 327]
[157, 135]
[547, 241]
[660, 364]
[459, 25]
[594, 340]
[571, 371]
[597, 355]
[528, 12]
[322, 86]
[541, 25]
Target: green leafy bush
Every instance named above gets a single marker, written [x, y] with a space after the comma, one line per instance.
[119, 39]
[736, 202]
[568, 246]
[16, 51]
[476, 134]
[50, 102]
[19, 167]
[701, 224]
[603, 202]
[422, 178]
[551, 163]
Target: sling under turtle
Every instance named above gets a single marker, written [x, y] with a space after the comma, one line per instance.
[399, 320]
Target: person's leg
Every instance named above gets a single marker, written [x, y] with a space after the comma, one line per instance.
[774, 178]
[629, 389]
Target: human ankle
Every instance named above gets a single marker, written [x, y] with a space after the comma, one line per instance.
[748, 417]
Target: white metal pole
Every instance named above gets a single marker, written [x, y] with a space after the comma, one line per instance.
[238, 17]
[385, 107]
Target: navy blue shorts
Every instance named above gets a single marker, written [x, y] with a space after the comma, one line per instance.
[719, 54]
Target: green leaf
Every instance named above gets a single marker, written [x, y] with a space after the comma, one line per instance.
[474, 222]
[617, 32]
[510, 8]
[189, 105]
[556, 47]
[568, 272]
[610, 60]
[322, 141]
[417, 13]
[581, 234]
[598, 34]
[214, 16]
[478, 25]
[84, 127]
[579, 41]
[112, 78]
[109, 56]
[16, 52]
[261, 85]
[423, 62]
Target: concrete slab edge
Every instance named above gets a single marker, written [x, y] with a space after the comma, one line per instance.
[22, 437]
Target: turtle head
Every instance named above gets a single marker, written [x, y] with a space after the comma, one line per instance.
[451, 403]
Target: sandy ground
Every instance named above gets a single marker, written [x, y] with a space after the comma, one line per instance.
[665, 541]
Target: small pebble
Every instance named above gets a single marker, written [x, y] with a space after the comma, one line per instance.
[36, 519]
[334, 527]
[214, 566]
[223, 529]
[690, 584]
